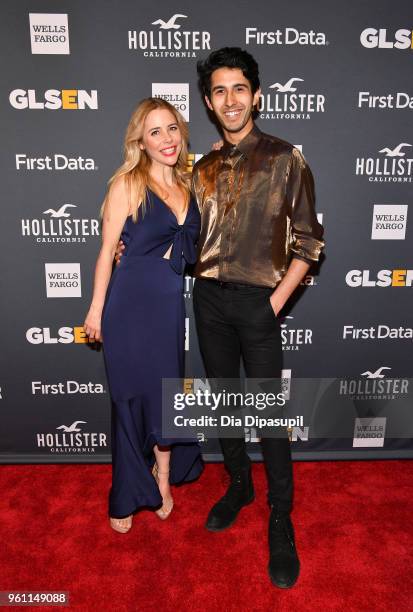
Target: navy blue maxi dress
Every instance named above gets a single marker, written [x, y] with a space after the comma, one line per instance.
[143, 328]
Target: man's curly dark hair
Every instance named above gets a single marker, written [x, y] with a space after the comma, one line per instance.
[228, 57]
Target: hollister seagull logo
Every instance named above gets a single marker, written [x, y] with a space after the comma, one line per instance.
[72, 427]
[61, 212]
[292, 339]
[287, 86]
[59, 226]
[171, 24]
[169, 40]
[374, 386]
[284, 318]
[397, 151]
[392, 167]
[71, 439]
[376, 374]
[282, 101]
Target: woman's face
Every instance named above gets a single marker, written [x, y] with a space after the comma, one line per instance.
[162, 139]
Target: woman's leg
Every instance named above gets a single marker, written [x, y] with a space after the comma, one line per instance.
[161, 474]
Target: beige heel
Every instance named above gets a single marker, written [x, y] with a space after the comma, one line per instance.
[118, 526]
[166, 509]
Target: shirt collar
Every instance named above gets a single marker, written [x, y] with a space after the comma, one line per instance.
[245, 145]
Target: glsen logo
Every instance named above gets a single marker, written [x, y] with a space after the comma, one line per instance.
[294, 339]
[299, 433]
[193, 385]
[384, 278]
[393, 166]
[57, 161]
[176, 94]
[397, 100]
[381, 332]
[369, 432]
[374, 386]
[169, 40]
[192, 159]
[68, 387]
[63, 280]
[71, 439]
[284, 103]
[287, 36]
[54, 99]
[59, 226]
[65, 335]
[49, 33]
[379, 39]
[389, 222]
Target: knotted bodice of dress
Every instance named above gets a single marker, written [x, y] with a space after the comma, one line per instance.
[158, 229]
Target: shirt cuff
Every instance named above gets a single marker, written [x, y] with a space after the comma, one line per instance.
[307, 260]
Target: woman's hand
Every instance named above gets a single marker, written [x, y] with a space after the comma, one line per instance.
[92, 324]
[218, 145]
[119, 252]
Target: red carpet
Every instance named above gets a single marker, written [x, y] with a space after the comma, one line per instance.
[353, 527]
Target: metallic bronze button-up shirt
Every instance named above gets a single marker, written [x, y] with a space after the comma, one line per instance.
[257, 209]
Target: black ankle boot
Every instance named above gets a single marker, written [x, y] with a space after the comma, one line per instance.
[284, 565]
[240, 493]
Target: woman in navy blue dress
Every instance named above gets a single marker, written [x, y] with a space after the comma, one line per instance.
[138, 311]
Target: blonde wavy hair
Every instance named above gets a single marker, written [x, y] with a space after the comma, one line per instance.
[137, 163]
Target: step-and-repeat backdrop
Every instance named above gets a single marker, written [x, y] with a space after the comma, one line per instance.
[336, 82]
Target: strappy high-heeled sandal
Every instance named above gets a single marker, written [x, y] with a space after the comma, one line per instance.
[166, 510]
[117, 526]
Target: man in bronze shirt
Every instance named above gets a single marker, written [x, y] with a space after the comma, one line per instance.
[259, 236]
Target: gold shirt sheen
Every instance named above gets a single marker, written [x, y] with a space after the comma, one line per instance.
[257, 211]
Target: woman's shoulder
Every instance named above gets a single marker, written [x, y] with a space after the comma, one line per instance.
[126, 188]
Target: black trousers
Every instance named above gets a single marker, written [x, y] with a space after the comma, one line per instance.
[235, 321]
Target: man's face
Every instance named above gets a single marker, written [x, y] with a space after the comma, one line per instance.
[231, 98]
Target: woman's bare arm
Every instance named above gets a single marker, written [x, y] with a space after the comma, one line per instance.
[114, 217]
